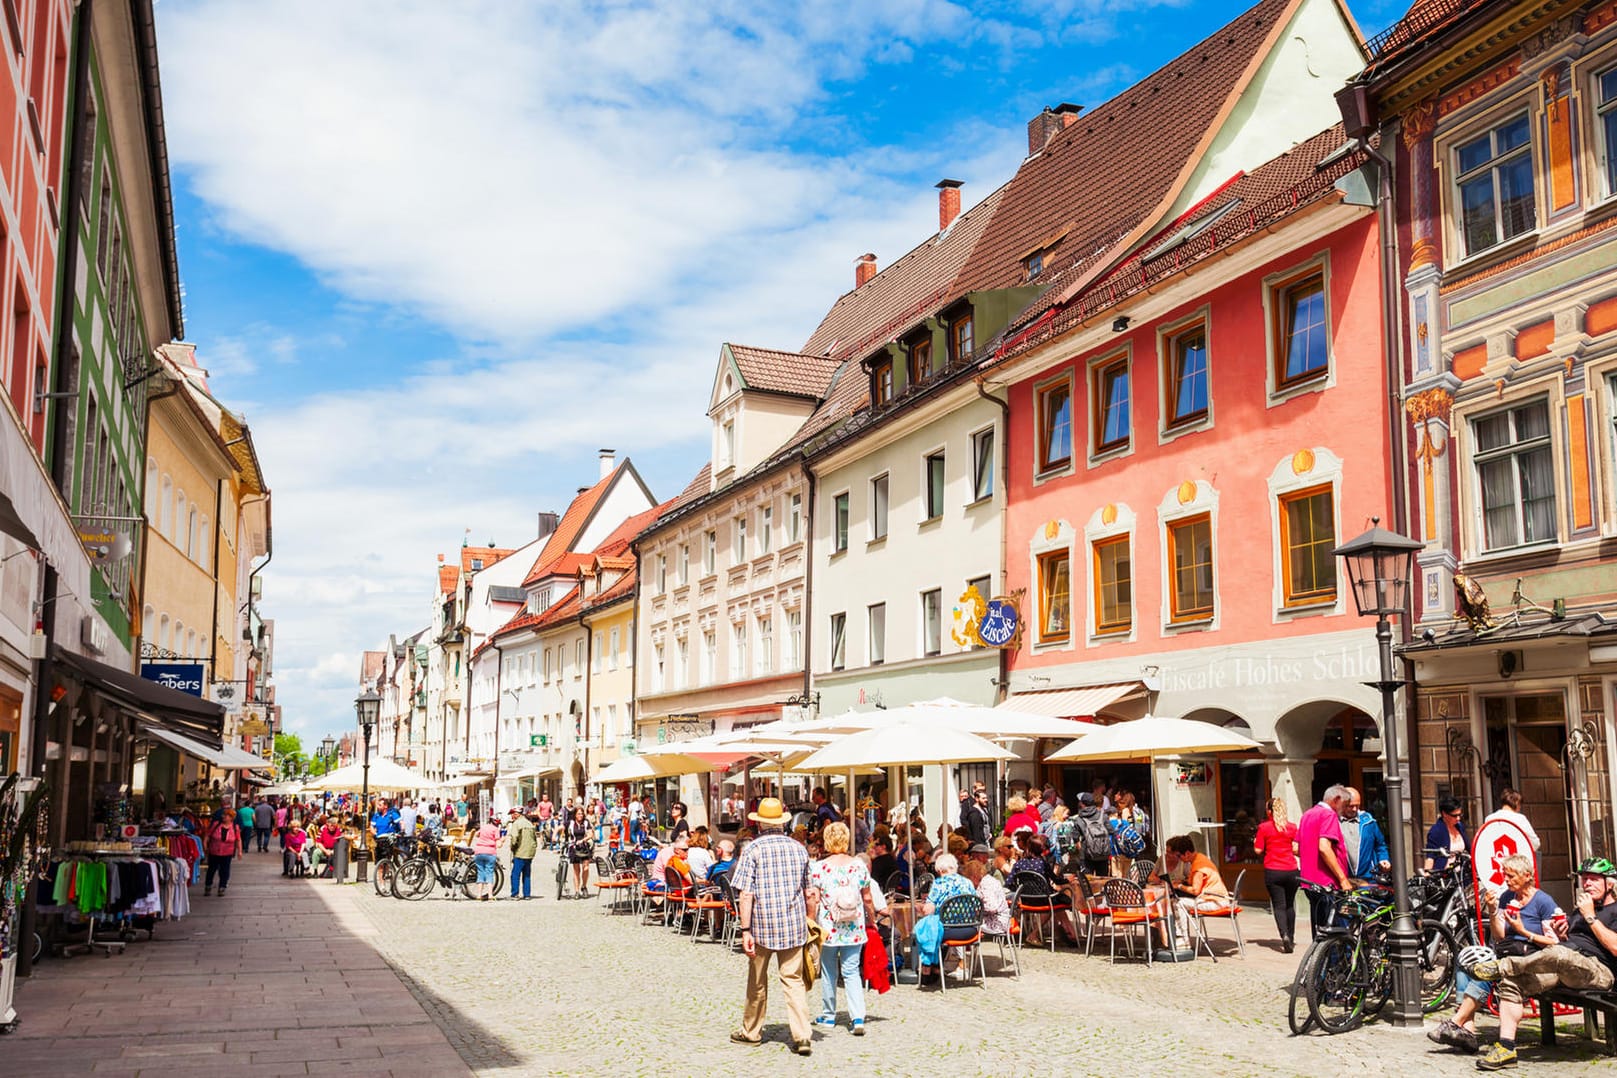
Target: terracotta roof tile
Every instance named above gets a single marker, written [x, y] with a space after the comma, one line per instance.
[904, 293]
[696, 487]
[560, 543]
[488, 554]
[1423, 19]
[370, 665]
[1101, 177]
[791, 373]
[448, 577]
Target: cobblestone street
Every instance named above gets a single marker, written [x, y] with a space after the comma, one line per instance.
[552, 988]
[289, 977]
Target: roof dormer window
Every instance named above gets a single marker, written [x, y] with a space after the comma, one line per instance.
[1034, 264]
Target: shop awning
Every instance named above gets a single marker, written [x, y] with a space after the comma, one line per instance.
[227, 757]
[529, 773]
[189, 716]
[1072, 703]
[1592, 627]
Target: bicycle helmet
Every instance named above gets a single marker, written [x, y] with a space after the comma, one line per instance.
[1469, 957]
[1597, 866]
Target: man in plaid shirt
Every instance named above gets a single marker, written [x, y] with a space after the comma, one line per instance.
[775, 907]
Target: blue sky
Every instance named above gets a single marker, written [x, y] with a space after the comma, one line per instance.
[440, 253]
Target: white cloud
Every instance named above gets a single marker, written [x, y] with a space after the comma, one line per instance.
[590, 197]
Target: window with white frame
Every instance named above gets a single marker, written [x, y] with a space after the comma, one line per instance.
[839, 523]
[794, 639]
[934, 485]
[1515, 468]
[612, 651]
[1494, 185]
[982, 465]
[609, 730]
[766, 529]
[839, 641]
[710, 553]
[794, 518]
[595, 661]
[739, 553]
[684, 563]
[932, 622]
[682, 661]
[578, 658]
[876, 635]
[547, 667]
[710, 657]
[727, 443]
[764, 659]
[738, 650]
[878, 508]
[658, 668]
[662, 573]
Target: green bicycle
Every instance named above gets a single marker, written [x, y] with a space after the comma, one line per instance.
[1346, 976]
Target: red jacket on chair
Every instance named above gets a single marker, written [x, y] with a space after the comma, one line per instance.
[875, 961]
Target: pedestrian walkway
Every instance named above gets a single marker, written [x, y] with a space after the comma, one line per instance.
[271, 979]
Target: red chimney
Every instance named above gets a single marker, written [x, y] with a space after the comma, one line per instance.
[948, 203]
[864, 270]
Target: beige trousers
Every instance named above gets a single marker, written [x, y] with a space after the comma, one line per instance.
[790, 965]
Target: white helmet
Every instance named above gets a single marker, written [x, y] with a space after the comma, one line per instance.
[1468, 957]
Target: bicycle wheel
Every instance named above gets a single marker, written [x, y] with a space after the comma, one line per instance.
[1337, 981]
[1438, 949]
[561, 878]
[414, 880]
[497, 888]
[1297, 1015]
[382, 876]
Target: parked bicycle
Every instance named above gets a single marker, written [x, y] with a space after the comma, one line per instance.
[1346, 974]
[420, 875]
[391, 852]
[1448, 897]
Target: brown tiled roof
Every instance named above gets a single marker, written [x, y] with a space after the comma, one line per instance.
[1423, 19]
[783, 372]
[560, 543]
[448, 577]
[696, 487]
[489, 554]
[370, 665]
[1114, 169]
[904, 293]
[1253, 202]
[620, 588]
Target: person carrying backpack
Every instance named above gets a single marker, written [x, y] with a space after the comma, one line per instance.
[1094, 840]
[223, 845]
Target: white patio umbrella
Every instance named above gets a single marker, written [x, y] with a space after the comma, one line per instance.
[385, 776]
[903, 744]
[647, 766]
[1150, 737]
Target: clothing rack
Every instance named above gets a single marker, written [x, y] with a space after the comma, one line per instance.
[167, 893]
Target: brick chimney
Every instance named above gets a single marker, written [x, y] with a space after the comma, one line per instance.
[948, 203]
[1043, 127]
[864, 269]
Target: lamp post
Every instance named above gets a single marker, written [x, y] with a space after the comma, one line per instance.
[366, 706]
[1378, 564]
[328, 750]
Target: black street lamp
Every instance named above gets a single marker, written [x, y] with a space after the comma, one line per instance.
[328, 750]
[1378, 564]
[367, 706]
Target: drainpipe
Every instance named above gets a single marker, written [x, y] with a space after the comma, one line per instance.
[589, 659]
[1002, 686]
[808, 579]
[499, 682]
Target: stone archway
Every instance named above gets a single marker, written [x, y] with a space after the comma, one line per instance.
[1325, 742]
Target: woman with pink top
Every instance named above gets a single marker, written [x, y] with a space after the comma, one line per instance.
[1276, 843]
[485, 845]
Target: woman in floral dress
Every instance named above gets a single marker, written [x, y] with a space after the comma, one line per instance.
[843, 885]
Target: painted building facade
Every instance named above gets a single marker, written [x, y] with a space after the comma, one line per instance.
[1501, 118]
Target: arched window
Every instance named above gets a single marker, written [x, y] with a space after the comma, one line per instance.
[150, 493]
[204, 540]
[191, 534]
[190, 644]
[148, 623]
[165, 506]
[179, 636]
[162, 632]
[177, 521]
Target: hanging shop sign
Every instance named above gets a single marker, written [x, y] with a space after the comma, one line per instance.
[988, 623]
[184, 677]
[227, 694]
[1190, 773]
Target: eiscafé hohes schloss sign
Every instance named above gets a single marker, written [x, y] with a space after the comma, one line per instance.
[186, 677]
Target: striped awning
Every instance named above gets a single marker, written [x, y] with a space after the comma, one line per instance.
[1072, 703]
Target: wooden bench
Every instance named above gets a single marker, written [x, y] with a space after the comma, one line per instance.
[1593, 1004]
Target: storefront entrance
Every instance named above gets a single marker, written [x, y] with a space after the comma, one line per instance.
[1526, 738]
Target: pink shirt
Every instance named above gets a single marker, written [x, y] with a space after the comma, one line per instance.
[1274, 844]
[1319, 822]
[487, 840]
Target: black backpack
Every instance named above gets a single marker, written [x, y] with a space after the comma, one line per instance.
[1096, 841]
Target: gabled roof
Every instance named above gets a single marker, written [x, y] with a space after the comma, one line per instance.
[1117, 168]
[448, 577]
[370, 665]
[620, 589]
[626, 533]
[790, 373]
[489, 554]
[553, 559]
[905, 292]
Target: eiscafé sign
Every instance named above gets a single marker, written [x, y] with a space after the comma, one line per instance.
[182, 677]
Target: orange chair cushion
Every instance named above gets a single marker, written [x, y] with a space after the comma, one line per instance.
[1131, 917]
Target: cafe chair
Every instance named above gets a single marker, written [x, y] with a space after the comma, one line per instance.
[1094, 909]
[1232, 913]
[621, 885]
[1140, 871]
[1032, 894]
[1130, 909]
[704, 903]
[961, 911]
[676, 898]
[896, 884]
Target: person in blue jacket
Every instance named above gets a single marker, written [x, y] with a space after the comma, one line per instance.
[1366, 843]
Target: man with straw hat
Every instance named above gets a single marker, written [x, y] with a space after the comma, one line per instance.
[775, 905]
